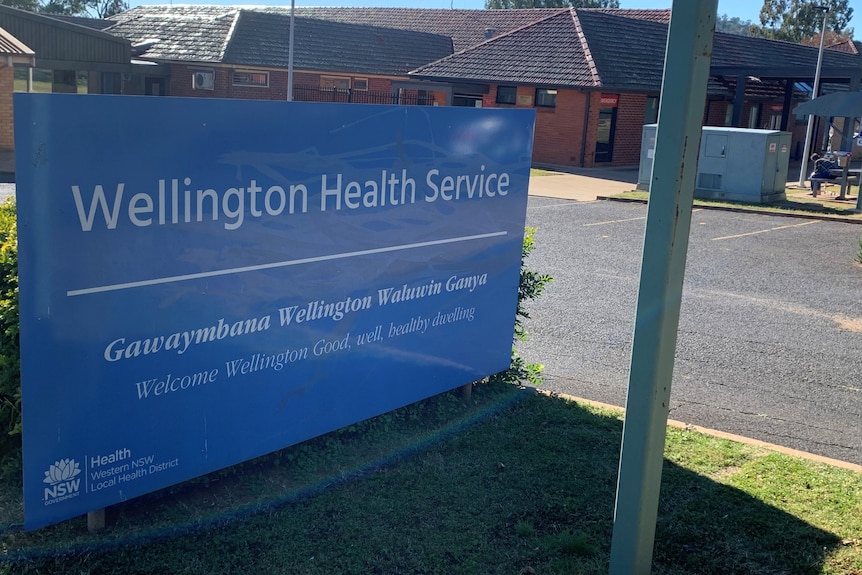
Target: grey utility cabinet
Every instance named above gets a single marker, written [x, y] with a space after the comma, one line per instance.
[734, 163]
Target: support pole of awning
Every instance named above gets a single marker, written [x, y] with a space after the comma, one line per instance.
[807, 148]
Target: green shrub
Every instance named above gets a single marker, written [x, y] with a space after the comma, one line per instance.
[531, 286]
[10, 372]
[859, 251]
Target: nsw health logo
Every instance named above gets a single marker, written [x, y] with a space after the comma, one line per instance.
[61, 478]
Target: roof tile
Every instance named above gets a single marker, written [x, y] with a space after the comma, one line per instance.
[547, 52]
[261, 38]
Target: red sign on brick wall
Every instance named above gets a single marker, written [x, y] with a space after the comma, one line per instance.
[610, 100]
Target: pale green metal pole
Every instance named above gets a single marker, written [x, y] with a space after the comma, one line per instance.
[683, 97]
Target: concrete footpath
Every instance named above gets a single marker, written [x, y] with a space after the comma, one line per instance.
[584, 185]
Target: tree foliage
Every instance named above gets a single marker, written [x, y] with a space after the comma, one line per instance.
[793, 20]
[504, 4]
[92, 8]
[733, 25]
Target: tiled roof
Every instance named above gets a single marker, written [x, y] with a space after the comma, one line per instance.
[653, 14]
[608, 49]
[732, 51]
[628, 52]
[844, 46]
[623, 52]
[261, 38]
[465, 27]
[184, 33]
[547, 52]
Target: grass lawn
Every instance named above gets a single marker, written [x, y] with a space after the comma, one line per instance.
[509, 482]
[798, 202]
[538, 172]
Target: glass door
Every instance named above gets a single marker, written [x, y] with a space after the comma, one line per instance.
[605, 134]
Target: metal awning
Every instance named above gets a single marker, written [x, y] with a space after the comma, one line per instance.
[838, 104]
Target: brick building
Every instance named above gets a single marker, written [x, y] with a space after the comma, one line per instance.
[62, 55]
[228, 52]
[593, 76]
[12, 52]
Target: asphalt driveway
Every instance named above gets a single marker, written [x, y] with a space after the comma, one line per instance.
[770, 341]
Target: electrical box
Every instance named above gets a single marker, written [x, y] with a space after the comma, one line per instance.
[738, 164]
[647, 156]
[743, 165]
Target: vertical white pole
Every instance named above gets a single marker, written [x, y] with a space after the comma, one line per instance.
[290, 52]
[807, 148]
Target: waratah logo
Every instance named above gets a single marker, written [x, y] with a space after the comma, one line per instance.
[62, 470]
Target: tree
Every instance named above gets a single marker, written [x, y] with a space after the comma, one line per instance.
[93, 8]
[29, 5]
[105, 8]
[733, 25]
[793, 20]
[503, 4]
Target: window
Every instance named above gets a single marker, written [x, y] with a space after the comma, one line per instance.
[249, 78]
[43, 80]
[728, 115]
[333, 82]
[111, 83]
[651, 115]
[753, 115]
[83, 82]
[546, 98]
[360, 84]
[507, 94]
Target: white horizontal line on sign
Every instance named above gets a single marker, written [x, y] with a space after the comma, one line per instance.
[172, 279]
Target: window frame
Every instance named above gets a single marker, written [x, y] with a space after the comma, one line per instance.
[514, 94]
[335, 80]
[250, 74]
[540, 102]
[354, 86]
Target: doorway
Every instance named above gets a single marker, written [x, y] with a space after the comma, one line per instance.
[154, 86]
[605, 134]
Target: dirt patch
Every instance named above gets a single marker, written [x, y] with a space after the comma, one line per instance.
[849, 323]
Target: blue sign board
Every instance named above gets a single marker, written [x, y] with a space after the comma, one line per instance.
[205, 281]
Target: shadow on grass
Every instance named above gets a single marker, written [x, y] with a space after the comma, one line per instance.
[511, 480]
[815, 205]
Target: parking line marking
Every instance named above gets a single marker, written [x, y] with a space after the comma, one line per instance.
[615, 221]
[769, 230]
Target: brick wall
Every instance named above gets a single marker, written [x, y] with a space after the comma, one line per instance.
[7, 80]
[559, 130]
[591, 129]
[181, 83]
[715, 112]
[559, 136]
[627, 138]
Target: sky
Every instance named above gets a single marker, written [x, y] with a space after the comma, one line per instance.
[744, 9]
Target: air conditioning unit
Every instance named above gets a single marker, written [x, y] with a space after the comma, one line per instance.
[203, 80]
